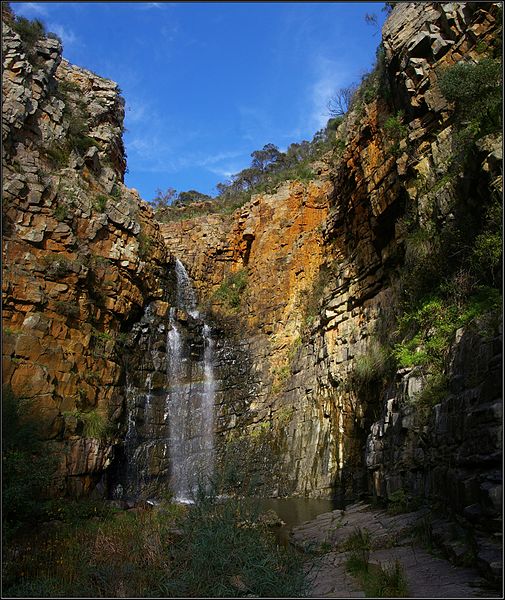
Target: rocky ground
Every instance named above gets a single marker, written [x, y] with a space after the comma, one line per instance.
[392, 537]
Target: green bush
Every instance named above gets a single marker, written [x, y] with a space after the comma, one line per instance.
[487, 252]
[145, 245]
[213, 549]
[358, 544]
[225, 553]
[58, 155]
[116, 191]
[101, 203]
[29, 31]
[373, 366]
[476, 90]
[58, 266]
[231, 289]
[67, 308]
[395, 132]
[61, 212]
[387, 582]
[95, 425]
[428, 330]
[377, 581]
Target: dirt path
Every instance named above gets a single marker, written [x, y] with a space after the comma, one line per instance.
[392, 538]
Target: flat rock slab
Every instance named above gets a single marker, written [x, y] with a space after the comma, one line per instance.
[391, 540]
[330, 579]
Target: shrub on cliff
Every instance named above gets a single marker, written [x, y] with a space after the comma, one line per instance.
[231, 290]
[29, 31]
[476, 90]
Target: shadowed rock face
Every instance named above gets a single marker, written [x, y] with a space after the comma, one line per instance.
[82, 255]
[293, 285]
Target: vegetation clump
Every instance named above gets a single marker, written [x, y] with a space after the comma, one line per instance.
[94, 424]
[231, 289]
[26, 466]
[476, 90]
[268, 169]
[372, 366]
[213, 549]
[378, 581]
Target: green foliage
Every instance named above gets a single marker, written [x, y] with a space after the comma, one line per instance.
[395, 132]
[358, 544]
[487, 252]
[67, 88]
[373, 85]
[211, 550]
[77, 130]
[29, 31]
[226, 554]
[145, 245]
[400, 502]
[58, 266]
[58, 155]
[116, 191]
[434, 390]
[476, 90]
[386, 582]
[373, 366]
[101, 203]
[429, 328]
[376, 580]
[26, 465]
[94, 424]
[231, 289]
[269, 168]
[61, 212]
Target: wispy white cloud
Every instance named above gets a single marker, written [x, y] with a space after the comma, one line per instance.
[67, 36]
[137, 111]
[217, 158]
[30, 9]
[254, 123]
[225, 173]
[150, 154]
[154, 5]
[169, 31]
[329, 76]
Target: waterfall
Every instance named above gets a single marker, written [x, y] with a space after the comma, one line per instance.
[190, 400]
[170, 390]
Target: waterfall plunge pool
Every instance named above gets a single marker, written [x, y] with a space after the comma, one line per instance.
[293, 511]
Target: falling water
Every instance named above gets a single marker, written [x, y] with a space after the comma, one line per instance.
[190, 401]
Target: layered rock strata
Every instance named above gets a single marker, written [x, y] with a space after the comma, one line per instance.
[82, 255]
[345, 259]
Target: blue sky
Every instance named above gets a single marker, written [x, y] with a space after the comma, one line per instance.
[207, 83]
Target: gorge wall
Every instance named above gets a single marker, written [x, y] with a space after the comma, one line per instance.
[322, 264]
[82, 255]
[302, 288]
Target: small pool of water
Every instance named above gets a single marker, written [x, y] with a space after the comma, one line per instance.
[294, 512]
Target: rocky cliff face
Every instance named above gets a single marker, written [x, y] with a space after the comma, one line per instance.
[302, 288]
[82, 255]
[322, 273]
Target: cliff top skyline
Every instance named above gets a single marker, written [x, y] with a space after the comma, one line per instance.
[206, 84]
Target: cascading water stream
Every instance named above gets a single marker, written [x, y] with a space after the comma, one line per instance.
[170, 391]
[190, 401]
